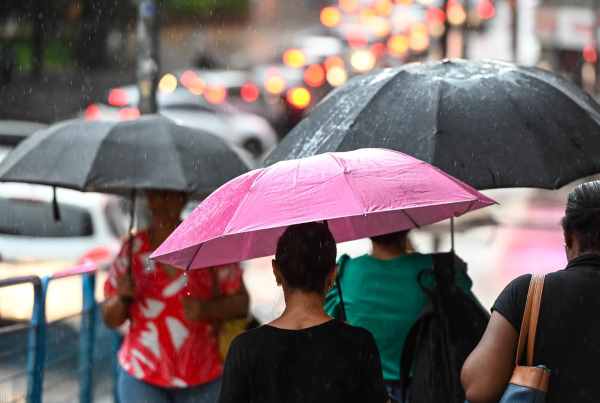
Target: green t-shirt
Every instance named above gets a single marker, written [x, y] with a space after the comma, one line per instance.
[384, 297]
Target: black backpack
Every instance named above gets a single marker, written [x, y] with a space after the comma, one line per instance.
[448, 329]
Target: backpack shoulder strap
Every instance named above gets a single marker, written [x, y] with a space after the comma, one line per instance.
[338, 285]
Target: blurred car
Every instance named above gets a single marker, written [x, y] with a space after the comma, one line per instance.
[245, 130]
[91, 225]
[12, 132]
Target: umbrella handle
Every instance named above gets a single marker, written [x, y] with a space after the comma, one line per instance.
[55, 206]
[130, 232]
[452, 234]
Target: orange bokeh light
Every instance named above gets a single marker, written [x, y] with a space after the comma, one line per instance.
[294, 58]
[419, 41]
[384, 7]
[398, 45]
[299, 97]
[331, 17]
[334, 61]
[215, 94]
[129, 113]
[314, 75]
[456, 13]
[275, 84]
[349, 6]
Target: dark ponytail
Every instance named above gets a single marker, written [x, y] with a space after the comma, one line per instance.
[582, 216]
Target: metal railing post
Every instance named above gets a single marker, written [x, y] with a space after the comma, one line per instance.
[37, 342]
[117, 340]
[87, 338]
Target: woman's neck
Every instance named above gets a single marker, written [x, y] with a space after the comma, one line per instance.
[160, 228]
[386, 253]
[302, 310]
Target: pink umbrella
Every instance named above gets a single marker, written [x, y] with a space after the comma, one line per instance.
[360, 193]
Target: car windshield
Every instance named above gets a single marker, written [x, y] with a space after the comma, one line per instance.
[31, 218]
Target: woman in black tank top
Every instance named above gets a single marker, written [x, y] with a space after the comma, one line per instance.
[568, 333]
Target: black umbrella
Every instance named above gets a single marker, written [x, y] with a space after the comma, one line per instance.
[150, 153]
[490, 124]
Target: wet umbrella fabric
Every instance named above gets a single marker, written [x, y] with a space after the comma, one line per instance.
[490, 124]
[360, 193]
[152, 152]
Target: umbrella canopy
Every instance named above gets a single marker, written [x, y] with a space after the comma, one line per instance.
[490, 124]
[360, 193]
[148, 153]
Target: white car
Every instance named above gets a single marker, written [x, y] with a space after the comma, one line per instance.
[91, 224]
[245, 130]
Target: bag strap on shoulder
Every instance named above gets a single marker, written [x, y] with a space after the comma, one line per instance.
[529, 322]
[338, 285]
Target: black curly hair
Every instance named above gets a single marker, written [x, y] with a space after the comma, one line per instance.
[305, 256]
[582, 216]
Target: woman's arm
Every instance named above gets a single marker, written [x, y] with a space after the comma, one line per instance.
[219, 308]
[488, 368]
[115, 309]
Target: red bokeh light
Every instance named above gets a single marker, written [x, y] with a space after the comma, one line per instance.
[590, 55]
[249, 92]
[92, 112]
[486, 9]
[118, 97]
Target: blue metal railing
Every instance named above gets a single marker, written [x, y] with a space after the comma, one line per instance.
[54, 368]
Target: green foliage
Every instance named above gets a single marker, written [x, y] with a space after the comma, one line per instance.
[207, 8]
[56, 55]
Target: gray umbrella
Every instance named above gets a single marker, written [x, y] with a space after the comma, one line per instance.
[490, 124]
[116, 157]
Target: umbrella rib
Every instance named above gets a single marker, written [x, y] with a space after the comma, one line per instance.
[239, 206]
[356, 197]
[410, 218]
[189, 265]
[178, 162]
[106, 134]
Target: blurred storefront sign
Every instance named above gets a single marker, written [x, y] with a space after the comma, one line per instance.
[564, 27]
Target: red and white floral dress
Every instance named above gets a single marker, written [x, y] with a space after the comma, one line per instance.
[161, 347]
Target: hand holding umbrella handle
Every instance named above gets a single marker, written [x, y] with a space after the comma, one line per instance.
[125, 288]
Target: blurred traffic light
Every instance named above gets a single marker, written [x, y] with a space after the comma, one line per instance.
[298, 97]
[249, 92]
[314, 75]
[294, 58]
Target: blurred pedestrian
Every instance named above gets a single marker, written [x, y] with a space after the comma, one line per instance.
[170, 352]
[381, 292]
[304, 356]
[567, 332]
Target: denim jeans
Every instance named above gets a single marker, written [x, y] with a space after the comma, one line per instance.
[394, 391]
[132, 390]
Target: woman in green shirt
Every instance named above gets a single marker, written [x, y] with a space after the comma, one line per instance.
[381, 293]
